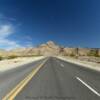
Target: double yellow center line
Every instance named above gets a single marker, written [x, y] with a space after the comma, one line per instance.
[14, 92]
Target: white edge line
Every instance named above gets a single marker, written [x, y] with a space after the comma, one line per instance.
[89, 87]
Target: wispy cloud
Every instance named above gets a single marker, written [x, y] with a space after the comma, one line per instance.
[3, 17]
[8, 26]
[5, 32]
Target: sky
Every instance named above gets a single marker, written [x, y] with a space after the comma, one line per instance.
[71, 23]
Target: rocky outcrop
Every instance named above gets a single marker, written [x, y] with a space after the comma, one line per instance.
[49, 49]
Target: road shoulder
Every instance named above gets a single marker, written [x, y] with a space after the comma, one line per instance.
[90, 65]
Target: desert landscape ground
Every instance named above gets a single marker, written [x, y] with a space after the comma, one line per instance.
[89, 57]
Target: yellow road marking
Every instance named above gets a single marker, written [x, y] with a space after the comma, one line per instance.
[22, 84]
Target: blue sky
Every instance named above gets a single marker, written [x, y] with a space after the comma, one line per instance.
[73, 23]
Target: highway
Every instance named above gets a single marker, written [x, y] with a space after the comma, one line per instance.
[54, 79]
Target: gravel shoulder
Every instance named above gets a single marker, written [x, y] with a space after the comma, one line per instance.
[8, 64]
[91, 65]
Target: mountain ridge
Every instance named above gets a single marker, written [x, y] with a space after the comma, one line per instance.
[51, 49]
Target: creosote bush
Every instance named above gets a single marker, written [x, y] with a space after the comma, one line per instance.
[12, 56]
[72, 55]
[93, 53]
[1, 57]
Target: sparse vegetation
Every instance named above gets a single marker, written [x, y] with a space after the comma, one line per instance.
[1, 57]
[72, 55]
[93, 53]
[12, 56]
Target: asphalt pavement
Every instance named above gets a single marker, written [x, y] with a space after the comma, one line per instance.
[56, 80]
[9, 79]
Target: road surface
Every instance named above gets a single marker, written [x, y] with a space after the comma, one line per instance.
[55, 80]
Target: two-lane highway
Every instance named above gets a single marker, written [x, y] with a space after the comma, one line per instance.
[60, 80]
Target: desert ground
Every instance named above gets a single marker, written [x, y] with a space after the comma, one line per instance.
[8, 64]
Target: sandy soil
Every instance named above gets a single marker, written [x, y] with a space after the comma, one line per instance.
[91, 65]
[13, 63]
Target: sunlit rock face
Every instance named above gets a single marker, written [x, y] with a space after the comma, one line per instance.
[49, 49]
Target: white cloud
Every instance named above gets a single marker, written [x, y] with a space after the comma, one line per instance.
[5, 32]
[8, 44]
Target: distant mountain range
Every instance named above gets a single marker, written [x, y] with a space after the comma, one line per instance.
[51, 49]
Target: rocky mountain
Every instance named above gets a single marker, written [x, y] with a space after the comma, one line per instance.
[51, 49]
[48, 49]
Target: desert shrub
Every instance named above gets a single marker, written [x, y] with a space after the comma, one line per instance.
[12, 56]
[93, 53]
[72, 55]
[1, 57]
